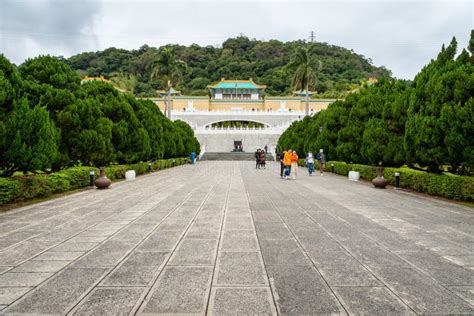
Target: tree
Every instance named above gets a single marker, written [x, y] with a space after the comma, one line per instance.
[304, 67]
[439, 126]
[239, 58]
[29, 140]
[10, 83]
[170, 70]
[49, 70]
[87, 133]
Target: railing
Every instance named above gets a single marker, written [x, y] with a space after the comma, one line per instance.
[246, 130]
[203, 151]
[239, 112]
[268, 131]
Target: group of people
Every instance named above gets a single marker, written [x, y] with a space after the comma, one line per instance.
[260, 159]
[289, 163]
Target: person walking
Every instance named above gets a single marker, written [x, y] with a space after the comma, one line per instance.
[193, 158]
[287, 163]
[261, 159]
[282, 165]
[266, 148]
[257, 157]
[310, 163]
[294, 164]
[322, 161]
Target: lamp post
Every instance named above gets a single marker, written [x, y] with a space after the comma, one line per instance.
[91, 178]
[397, 180]
[169, 99]
[306, 108]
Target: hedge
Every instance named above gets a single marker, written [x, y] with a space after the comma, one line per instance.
[445, 185]
[27, 187]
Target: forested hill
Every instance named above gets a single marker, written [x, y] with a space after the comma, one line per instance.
[239, 58]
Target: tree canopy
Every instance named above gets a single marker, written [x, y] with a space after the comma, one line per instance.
[49, 121]
[427, 123]
[238, 58]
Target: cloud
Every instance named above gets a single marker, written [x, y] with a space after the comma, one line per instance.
[399, 34]
[30, 28]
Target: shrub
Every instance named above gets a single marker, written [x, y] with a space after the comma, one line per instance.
[446, 185]
[9, 190]
[78, 177]
[28, 187]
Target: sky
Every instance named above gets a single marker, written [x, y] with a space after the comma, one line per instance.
[401, 35]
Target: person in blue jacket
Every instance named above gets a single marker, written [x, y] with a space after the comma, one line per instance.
[193, 157]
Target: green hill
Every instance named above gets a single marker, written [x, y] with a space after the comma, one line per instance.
[238, 58]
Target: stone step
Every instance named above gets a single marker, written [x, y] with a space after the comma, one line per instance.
[234, 156]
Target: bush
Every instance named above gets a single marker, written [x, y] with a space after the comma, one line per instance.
[78, 176]
[28, 187]
[445, 185]
[9, 190]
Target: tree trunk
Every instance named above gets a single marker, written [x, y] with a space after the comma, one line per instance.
[169, 101]
[306, 109]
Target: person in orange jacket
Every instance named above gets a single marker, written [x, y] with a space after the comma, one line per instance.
[287, 162]
[294, 164]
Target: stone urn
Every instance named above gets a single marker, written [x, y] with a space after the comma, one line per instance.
[380, 181]
[102, 181]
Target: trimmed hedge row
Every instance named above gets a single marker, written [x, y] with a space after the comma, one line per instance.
[445, 185]
[28, 187]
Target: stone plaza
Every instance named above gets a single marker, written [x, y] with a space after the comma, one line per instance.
[223, 238]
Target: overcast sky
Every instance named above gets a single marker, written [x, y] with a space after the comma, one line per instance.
[400, 35]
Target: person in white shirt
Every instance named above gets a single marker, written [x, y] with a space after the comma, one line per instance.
[310, 163]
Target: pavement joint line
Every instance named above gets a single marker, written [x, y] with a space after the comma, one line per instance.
[271, 282]
[416, 268]
[70, 237]
[313, 212]
[71, 262]
[146, 296]
[303, 249]
[172, 210]
[340, 244]
[25, 228]
[421, 207]
[45, 203]
[226, 201]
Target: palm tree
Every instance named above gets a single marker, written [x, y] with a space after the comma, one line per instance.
[169, 69]
[303, 65]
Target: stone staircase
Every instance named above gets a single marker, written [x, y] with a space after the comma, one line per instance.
[232, 156]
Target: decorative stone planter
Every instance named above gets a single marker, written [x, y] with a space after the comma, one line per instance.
[379, 181]
[102, 181]
[354, 175]
[130, 175]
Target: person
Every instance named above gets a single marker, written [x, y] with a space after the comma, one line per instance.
[294, 164]
[266, 148]
[282, 165]
[322, 161]
[193, 157]
[257, 156]
[287, 163]
[310, 163]
[261, 159]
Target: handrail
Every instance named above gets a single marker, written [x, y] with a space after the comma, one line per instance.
[239, 112]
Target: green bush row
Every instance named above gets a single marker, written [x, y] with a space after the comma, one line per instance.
[27, 187]
[445, 185]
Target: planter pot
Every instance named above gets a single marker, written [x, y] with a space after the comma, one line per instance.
[354, 175]
[102, 181]
[130, 175]
[380, 181]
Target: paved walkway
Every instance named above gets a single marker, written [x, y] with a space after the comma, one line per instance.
[224, 238]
